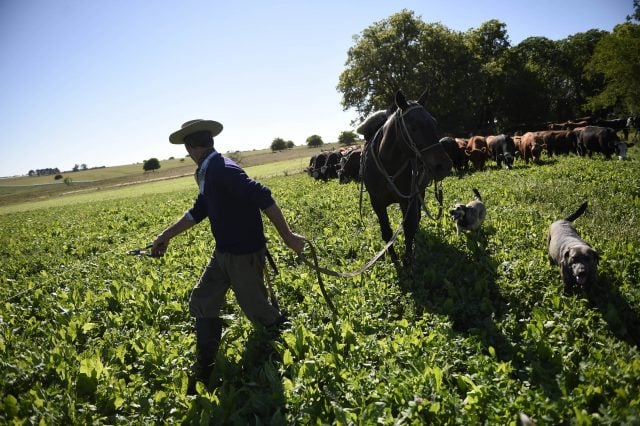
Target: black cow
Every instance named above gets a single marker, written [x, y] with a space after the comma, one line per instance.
[598, 139]
[349, 168]
[616, 124]
[502, 148]
[309, 170]
[330, 168]
[319, 162]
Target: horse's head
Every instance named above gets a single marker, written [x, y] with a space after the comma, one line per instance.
[414, 130]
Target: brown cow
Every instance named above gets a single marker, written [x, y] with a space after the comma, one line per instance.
[531, 146]
[559, 141]
[477, 151]
[456, 153]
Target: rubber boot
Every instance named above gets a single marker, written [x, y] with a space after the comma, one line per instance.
[208, 335]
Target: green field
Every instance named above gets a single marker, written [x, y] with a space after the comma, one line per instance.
[476, 332]
[129, 188]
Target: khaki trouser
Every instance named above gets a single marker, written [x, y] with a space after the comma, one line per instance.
[245, 275]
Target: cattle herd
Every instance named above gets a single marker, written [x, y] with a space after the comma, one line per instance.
[584, 136]
[343, 164]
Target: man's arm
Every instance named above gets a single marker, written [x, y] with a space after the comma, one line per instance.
[161, 243]
[294, 241]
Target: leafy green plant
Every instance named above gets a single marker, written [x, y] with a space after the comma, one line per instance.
[477, 331]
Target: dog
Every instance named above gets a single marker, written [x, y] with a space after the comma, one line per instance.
[469, 217]
[577, 260]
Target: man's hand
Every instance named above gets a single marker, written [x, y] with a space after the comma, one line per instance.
[161, 243]
[295, 242]
[160, 246]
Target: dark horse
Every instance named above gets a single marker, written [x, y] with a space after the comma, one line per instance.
[399, 162]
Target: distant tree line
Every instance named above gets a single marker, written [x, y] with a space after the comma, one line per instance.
[279, 144]
[44, 172]
[346, 137]
[477, 80]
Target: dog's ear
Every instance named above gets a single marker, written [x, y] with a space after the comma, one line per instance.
[565, 257]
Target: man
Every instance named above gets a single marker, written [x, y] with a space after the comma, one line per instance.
[232, 202]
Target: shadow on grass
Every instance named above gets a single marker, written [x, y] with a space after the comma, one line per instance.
[623, 321]
[250, 390]
[446, 279]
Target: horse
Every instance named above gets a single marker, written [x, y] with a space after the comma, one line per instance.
[398, 164]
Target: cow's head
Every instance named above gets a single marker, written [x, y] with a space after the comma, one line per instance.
[621, 149]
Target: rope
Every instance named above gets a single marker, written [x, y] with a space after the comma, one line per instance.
[314, 264]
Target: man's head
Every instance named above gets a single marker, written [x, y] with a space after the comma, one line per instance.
[197, 136]
[196, 133]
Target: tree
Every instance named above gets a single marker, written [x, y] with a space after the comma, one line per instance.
[83, 166]
[278, 144]
[577, 49]
[617, 59]
[76, 168]
[314, 141]
[402, 52]
[488, 44]
[347, 138]
[384, 58]
[290, 144]
[636, 11]
[151, 164]
[546, 64]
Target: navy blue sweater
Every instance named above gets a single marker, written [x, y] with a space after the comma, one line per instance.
[233, 202]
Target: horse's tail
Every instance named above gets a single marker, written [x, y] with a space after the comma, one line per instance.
[477, 194]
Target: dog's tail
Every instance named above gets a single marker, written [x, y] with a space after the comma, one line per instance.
[475, 191]
[573, 216]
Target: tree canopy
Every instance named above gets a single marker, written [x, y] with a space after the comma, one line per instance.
[151, 164]
[617, 59]
[314, 140]
[477, 80]
[347, 138]
[278, 144]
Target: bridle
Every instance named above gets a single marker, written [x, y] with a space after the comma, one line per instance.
[417, 171]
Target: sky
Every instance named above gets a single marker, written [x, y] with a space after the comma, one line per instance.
[104, 83]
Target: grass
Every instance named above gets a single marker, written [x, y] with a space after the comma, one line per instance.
[28, 193]
[477, 331]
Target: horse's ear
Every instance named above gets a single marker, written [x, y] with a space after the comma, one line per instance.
[401, 101]
[423, 98]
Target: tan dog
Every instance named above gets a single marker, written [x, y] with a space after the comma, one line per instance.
[469, 217]
[577, 259]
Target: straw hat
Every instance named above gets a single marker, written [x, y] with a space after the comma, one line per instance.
[194, 126]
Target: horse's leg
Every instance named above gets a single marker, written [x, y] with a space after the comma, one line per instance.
[385, 227]
[411, 214]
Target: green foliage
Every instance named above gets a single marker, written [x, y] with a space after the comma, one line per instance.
[617, 59]
[278, 144]
[151, 164]
[476, 332]
[347, 137]
[476, 80]
[314, 141]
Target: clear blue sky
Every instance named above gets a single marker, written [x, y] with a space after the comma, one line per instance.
[105, 82]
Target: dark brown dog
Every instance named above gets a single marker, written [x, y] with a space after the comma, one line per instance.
[577, 259]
